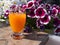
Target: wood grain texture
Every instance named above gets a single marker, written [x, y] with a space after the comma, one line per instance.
[30, 39]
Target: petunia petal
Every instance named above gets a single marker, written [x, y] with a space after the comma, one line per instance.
[40, 12]
[45, 20]
[57, 30]
[54, 12]
[30, 4]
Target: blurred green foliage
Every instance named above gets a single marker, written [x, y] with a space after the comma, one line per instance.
[31, 22]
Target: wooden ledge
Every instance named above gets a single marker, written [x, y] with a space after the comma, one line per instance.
[30, 38]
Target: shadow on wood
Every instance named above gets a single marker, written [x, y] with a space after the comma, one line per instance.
[38, 37]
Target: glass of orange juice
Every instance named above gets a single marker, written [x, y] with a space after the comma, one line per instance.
[17, 23]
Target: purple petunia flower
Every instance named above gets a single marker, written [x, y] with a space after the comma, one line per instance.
[56, 22]
[13, 8]
[36, 0]
[24, 7]
[38, 23]
[45, 20]
[57, 30]
[42, 5]
[54, 6]
[31, 13]
[40, 12]
[39, 1]
[6, 13]
[30, 4]
[7, 10]
[36, 4]
[54, 12]
[47, 6]
[57, 7]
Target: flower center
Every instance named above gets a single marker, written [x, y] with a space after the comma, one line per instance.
[40, 12]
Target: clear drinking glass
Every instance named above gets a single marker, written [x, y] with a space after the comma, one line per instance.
[17, 23]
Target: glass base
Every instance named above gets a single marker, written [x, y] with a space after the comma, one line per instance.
[17, 36]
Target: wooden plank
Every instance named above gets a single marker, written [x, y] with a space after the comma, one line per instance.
[30, 39]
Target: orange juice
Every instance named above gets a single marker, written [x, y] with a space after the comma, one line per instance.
[17, 21]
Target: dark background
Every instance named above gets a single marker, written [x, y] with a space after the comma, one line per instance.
[52, 1]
